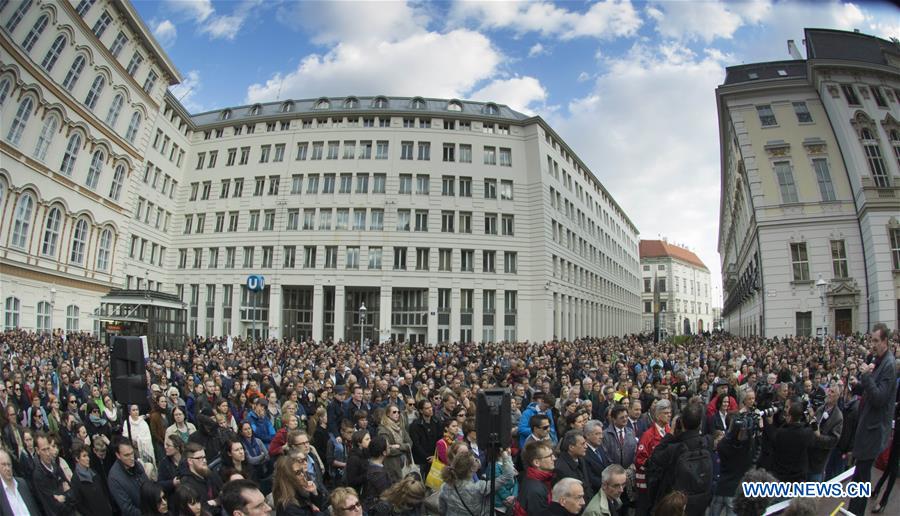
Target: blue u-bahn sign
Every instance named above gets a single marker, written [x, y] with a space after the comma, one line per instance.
[256, 283]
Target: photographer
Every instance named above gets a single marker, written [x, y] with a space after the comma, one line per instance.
[829, 422]
[790, 444]
[736, 453]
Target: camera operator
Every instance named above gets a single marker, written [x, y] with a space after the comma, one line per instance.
[736, 455]
[790, 444]
[829, 423]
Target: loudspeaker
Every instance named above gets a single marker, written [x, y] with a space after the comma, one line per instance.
[128, 372]
[492, 419]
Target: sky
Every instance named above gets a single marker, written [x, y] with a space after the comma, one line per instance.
[630, 86]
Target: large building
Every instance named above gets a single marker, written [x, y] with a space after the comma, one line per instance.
[676, 290]
[809, 234]
[414, 218]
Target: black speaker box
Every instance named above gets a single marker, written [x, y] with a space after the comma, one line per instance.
[492, 419]
[128, 372]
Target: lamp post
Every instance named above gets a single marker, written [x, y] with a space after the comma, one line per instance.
[362, 326]
[821, 285]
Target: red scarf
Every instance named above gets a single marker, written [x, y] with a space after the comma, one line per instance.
[535, 474]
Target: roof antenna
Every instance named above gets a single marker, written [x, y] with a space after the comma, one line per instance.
[183, 95]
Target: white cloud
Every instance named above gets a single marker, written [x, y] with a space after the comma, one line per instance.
[702, 20]
[165, 32]
[649, 131]
[355, 22]
[604, 19]
[428, 63]
[212, 23]
[186, 92]
[583, 76]
[223, 27]
[523, 94]
[536, 50]
[198, 10]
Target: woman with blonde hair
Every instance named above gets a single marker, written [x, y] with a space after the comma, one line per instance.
[293, 492]
[461, 495]
[399, 442]
[404, 498]
[345, 502]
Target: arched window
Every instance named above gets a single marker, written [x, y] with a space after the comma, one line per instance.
[133, 127]
[380, 102]
[491, 109]
[46, 136]
[68, 162]
[42, 322]
[115, 190]
[35, 33]
[94, 94]
[72, 313]
[17, 15]
[19, 122]
[74, 73]
[323, 104]
[51, 233]
[454, 105]
[104, 250]
[255, 110]
[11, 313]
[872, 149]
[95, 169]
[226, 114]
[351, 103]
[287, 107]
[114, 110]
[22, 221]
[418, 103]
[79, 242]
[5, 86]
[53, 54]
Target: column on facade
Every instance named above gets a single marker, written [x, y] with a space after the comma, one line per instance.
[478, 315]
[339, 312]
[432, 315]
[201, 310]
[455, 311]
[318, 315]
[556, 321]
[384, 325]
[500, 316]
[275, 312]
[218, 309]
[236, 309]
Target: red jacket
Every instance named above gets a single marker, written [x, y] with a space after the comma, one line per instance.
[712, 408]
[278, 442]
[645, 448]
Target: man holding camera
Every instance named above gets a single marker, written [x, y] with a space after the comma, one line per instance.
[790, 444]
[829, 423]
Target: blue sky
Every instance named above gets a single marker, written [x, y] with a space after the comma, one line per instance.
[629, 85]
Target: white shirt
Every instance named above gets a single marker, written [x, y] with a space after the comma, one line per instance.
[16, 502]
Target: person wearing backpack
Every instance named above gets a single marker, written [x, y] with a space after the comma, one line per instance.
[683, 461]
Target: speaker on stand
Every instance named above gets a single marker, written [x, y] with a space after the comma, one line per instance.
[128, 374]
[493, 428]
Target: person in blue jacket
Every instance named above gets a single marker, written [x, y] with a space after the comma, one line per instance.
[259, 420]
[540, 404]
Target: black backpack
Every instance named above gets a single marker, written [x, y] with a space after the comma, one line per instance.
[693, 472]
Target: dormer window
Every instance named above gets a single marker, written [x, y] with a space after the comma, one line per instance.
[491, 109]
[380, 103]
[287, 107]
[226, 114]
[418, 103]
[323, 104]
[351, 103]
[454, 105]
[255, 110]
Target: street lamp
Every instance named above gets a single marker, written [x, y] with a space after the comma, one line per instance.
[821, 285]
[362, 324]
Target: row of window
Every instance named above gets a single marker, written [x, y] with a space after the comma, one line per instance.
[144, 211]
[692, 309]
[569, 272]
[877, 94]
[54, 223]
[12, 311]
[352, 258]
[661, 286]
[767, 116]
[161, 144]
[145, 251]
[379, 102]
[839, 265]
[451, 186]
[355, 219]
[152, 178]
[784, 172]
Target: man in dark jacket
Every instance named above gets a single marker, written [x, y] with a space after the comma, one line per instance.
[830, 422]
[204, 482]
[534, 488]
[16, 497]
[336, 411]
[596, 460]
[790, 445]
[52, 490]
[876, 411]
[424, 432]
[736, 453]
[125, 479]
[571, 462]
[208, 435]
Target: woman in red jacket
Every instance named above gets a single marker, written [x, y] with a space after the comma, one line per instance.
[662, 412]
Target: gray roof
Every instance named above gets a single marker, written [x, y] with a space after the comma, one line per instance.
[772, 70]
[850, 46]
[364, 106]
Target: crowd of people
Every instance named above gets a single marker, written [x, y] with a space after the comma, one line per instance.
[613, 426]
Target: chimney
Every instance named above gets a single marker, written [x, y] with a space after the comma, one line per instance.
[793, 51]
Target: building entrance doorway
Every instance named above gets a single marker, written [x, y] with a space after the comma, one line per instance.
[843, 321]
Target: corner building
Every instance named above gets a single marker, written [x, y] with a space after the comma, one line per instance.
[676, 289]
[809, 234]
[446, 219]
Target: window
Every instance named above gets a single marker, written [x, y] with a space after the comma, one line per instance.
[799, 262]
[365, 149]
[465, 187]
[74, 73]
[445, 259]
[850, 94]
[352, 257]
[51, 122]
[11, 312]
[823, 176]
[766, 115]
[506, 190]
[375, 257]
[309, 219]
[510, 262]
[233, 220]
[259, 185]
[267, 257]
[349, 149]
[346, 183]
[449, 152]
[362, 183]
[400, 258]
[359, 219]
[381, 149]
[802, 112]
[134, 63]
[377, 220]
[53, 54]
[17, 15]
[302, 148]
[35, 32]
[309, 257]
[96, 167]
[465, 222]
[873, 156]
[248, 256]
[133, 127]
[334, 149]
[488, 259]
[647, 285]
[101, 24]
[42, 323]
[467, 260]
[79, 242]
[507, 225]
[804, 324]
[20, 121]
[490, 223]
[405, 184]
[279, 153]
[403, 220]
[454, 105]
[465, 153]
[113, 114]
[318, 149]
[51, 233]
[115, 189]
[72, 313]
[5, 86]
[269, 220]
[878, 96]
[786, 181]
[118, 44]
[274, 182]
[895, 247]
[331, 256]
[71, 154]
[378, 186]
[490, 188]
[423, 184]
[94, 93]
[447, 186]
[422, 258]
[490, 155]
[264, 152]
[839, 259]
[447, 219]
[245, 156]
[254, 221]
[343, 218]
[424, 151]
[505, 157]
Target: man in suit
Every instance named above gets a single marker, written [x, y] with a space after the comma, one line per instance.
[607, 501]
[17, 499]
[596, 459]
[571, 462]
[830, 421]
[619, 443]
[878, 383]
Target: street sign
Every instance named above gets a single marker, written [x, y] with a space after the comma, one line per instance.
[256, 283]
